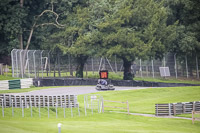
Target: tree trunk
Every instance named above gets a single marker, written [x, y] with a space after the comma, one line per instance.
[21, 34]
[80, 65]
[127, 70]
[21, 40]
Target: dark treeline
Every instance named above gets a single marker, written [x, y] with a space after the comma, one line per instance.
[128, 29]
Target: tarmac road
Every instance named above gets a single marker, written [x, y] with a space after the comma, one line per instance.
[74, 90]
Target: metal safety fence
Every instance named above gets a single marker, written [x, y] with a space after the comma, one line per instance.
[42, 63]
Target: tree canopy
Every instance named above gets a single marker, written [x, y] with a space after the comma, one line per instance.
[187, 13]
[137, 29]
[128, 29]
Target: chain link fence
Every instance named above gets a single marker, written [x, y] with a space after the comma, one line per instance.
[42, 63]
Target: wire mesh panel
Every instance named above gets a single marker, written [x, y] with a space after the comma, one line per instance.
[28, 63]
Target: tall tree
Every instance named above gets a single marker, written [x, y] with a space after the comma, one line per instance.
[187, 42]
[136, 29]
[187, 13]
[81, 35]
[11, 19]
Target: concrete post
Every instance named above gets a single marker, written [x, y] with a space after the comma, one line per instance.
[59, 127]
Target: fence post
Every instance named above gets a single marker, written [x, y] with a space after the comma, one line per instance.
[193, 117]
[4, 99]
[12, 109]
[49, 72]
[13, 70]
[98, 106]
[39, 108]
[102, 106]
[58, 56]
[71, 110]
[22, 108]
[52, 101]
[186, 64]
[39, 100]
[64, 109]
[92, 66]
[147, 71]
[110, 65]
[115, 64]
[193, 106]
[100, 64]
[48, 108]
[164, 62]
[78, 110]
[30, 99]
[69, 101]
[127, 107]
[10, 101]
[31, 108]
[56, 110]
[57, 101]
[91, 107]
[6, 70]
[21, 60]
[34, 100]
[28, 63]
[86, 69]
[141, 68]
[43, 101]
[61, 104]
[174, 108]
[34, 62]
[197, 65]
[169, 105]
[2, 108]
[156, 109]
[85, 106]
[48, 100]
[183, 108]
[17, 64]
[20, 100]
[41, 62]
[15, 101]
[25, 103]
[175, 66]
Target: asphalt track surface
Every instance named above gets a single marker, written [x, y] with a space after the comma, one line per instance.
[73, 90]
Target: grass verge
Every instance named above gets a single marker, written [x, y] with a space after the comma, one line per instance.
[169, 80]
[27, 89]
[144, 100]
[141, 101]
[98, 123]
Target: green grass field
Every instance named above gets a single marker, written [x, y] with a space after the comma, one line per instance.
[141, 101]
[100, 123]
[144, 100]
